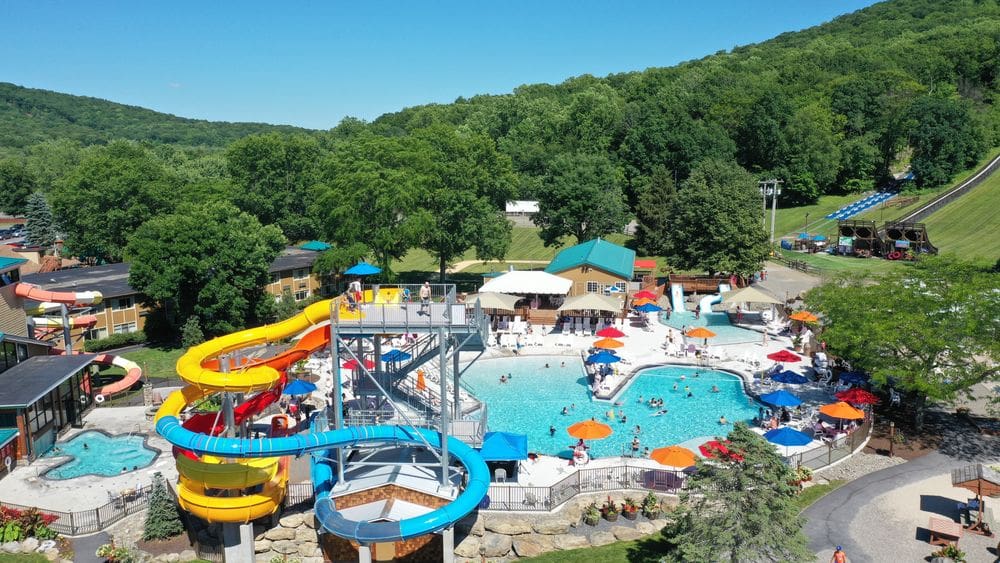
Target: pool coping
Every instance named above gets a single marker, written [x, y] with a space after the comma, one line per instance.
[69, 457]
[610, 396]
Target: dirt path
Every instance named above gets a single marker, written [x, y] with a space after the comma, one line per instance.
[459, 266]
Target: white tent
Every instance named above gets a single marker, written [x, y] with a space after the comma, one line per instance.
[522, 283]
[592, 302]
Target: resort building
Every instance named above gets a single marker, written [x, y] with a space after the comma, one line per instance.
[291, 271]
[595, 266]
[12, 317]
[39, 398]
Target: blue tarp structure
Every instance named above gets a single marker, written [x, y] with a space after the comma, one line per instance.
[298, 387]
[504, 446]
[315, 246]
[790, 377]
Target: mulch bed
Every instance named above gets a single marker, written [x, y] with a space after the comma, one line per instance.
[909, 443]
[175, 544]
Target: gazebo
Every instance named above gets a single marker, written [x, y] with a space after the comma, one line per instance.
[983, 482]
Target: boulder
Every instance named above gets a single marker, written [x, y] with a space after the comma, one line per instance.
[172, 557]
[309, 519]
[47, 544]
[291, 521]
[645, 528]
[508, 526]
[260, 546]
[188, 555]
[597, 539]
[495, 545]
[308, 549]
[468, 547]
[285, 547]
[312, 560]
[532, 546]
[569, 541]
[472, 524]
[660, 523]
[275, 534]
[266, 557]
[551, 526]
[52, 554]
[29, 545]
[625, 533]
[305, 534]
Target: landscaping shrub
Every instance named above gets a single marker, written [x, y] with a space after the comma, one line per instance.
[162, 520]
[16, 525]
[115, 341]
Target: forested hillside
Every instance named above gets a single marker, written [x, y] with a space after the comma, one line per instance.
[29, 116]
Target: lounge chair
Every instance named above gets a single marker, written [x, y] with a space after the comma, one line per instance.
[500, 475]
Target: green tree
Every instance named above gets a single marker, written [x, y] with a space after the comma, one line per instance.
[932, 329]
[108, 196]
[945, 139]
[191, 334]
[715, 221]
[162, 519]
[739, 507]
[41, 228]
[285, 307]
[814, 156]
[581, 198]
[332, 262]
[274, 175]
[207, 260]
[16, 186]
[652, 212]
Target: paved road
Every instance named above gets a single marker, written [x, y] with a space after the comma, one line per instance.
[85, 547]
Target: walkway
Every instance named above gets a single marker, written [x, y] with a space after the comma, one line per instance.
[786, 283]
[882, 516]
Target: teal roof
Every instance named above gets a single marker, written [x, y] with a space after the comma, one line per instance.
[597, 253]
[315, 246]
[6, 435]
[6, 263]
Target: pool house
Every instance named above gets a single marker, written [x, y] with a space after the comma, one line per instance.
[40, 397]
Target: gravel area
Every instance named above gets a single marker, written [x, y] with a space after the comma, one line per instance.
[860, 464]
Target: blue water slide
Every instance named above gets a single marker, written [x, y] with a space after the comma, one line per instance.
[709, 300]
[365, 532]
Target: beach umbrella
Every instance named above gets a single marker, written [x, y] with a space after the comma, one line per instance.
[353, 364]
[499, 301]
[589, 430]
[803, 316]
[781, 398]
[674, 456]
[749, 295]
[842, 410]
[642, 301]
[648, 308]
[786, 436]
[395, 356]
[608, 343]
[858, 397]
[603, 357]
[644, 295]
[784, 357]
[362, 268]
[610, 332]
[716, 448]
[298, 387]
[700, 332]
[790, 377]
[853, 378]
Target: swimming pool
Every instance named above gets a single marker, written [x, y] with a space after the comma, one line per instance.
[718, 323]
[535, 395]
[96, 453]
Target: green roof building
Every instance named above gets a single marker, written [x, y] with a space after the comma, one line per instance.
[595, 266]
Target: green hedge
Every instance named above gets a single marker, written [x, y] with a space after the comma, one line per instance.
[115, 341]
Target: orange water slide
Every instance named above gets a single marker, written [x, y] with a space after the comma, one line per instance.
[35, 293]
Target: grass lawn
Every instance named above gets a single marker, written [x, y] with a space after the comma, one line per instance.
[828, 264]
[156, 362]
[649, 549]
[968, 226]
[22, 558]
[816, 492]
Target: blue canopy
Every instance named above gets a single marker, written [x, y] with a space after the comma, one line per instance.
[603, 357]
[504, 446]
[819, 237]
[298, 387]
[853, 378]
[790, 377]
[395, 356]
[803, 236]
[315, 246]
[781, 398]
[649, 308]
[786, 436]
[362, 268]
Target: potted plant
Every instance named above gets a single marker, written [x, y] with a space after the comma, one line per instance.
[630, 509]
[651, 506]
[949, 552]
[797, 342]
[610, 510]
[591, 515]
[803, 474]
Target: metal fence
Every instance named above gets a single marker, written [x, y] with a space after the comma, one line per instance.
[833, 451]
[95, 519]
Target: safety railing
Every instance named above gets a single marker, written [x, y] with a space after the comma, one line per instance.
[82, 522]
[834, 450]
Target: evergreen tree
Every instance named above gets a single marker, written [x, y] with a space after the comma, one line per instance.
[41, 228]
[191, 334]
[162, 520]
[740, 507]
[285, 307]
[651, 212]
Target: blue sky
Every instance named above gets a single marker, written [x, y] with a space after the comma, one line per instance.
[312, 63]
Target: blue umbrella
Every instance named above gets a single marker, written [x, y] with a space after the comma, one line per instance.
[853, 378]
[298, 387]
[603, 357]
[362, 268]
[648, 308]
[504, 446]
[786, 436]
[790, 377]
[781, 398]
[395, 356]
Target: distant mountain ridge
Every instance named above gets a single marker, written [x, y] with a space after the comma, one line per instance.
[29, 116]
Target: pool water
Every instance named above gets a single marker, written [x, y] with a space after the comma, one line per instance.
[103, 455]
[718, 323]
[535, 395]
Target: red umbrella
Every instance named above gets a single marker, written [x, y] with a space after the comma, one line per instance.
[858, 397]
[715, 448]
[610, 332]
[784, 356]
[644, 295]
[353, 364]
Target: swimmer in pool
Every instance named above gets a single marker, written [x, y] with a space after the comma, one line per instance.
[675, 386]
[565, 410]
[660, 412]
[722, 420]
[552, 430]
[715, 389]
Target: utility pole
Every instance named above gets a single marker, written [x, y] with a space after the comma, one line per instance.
[771, 188]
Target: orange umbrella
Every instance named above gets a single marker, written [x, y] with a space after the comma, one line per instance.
[674, 456]
[700, 332]
[608, 343]
[803, 316]
[421, 382]
[643, 301]
[589, 430]
[841, 410]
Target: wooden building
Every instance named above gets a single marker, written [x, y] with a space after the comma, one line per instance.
[596, 266]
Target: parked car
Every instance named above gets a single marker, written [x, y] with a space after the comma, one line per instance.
[6, 234]
[17, 233]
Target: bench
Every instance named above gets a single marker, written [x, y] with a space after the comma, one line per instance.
[944, 532]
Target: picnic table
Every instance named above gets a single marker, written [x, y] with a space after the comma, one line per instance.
[944, 532]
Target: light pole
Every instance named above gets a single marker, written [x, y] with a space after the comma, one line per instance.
[805, 229]
[771, 188]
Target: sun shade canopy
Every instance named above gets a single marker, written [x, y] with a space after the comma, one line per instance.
[591, 302]
[521, 282]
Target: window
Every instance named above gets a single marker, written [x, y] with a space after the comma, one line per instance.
[95, 334]
[622, 286]
[96, 309]
[300, 295]
[125, 327]
[275, 277]
[300, 274]
[122, 304]
[593, 287]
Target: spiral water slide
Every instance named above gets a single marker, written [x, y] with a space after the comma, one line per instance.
[252, 470]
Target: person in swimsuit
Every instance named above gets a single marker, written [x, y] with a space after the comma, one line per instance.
[839, 556]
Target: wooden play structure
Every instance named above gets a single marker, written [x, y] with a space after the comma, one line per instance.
[859, 238]
[903, 236]
[896, 240]
[983, 482]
